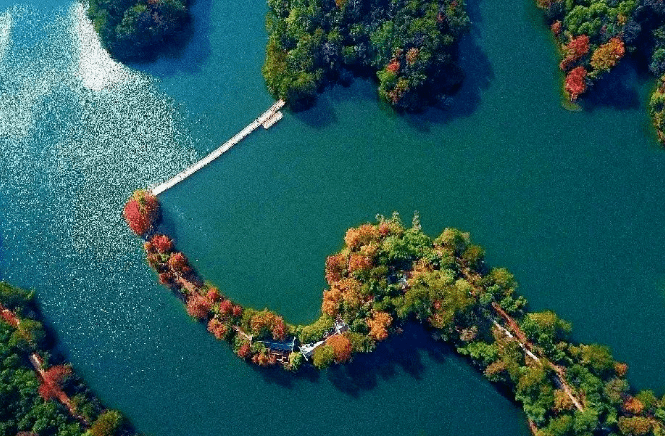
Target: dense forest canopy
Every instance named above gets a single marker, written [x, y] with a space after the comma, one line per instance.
[131, 28]
[387, 275]
[594, 35]
[54, 402]
[409, 45]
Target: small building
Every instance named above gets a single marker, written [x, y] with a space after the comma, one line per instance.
[284, 347]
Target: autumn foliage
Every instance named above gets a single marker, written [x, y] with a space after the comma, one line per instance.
[244, 350]
[225, 307]
[198, 306]
[633, 405]
[575, 83]
[266, 321]
[621, 369]
[179, 264]
[141, 212]
[363, 235]
[607, 55]
[335, 267]
[213, 294]
[378, 325]
[217, 328]
[393, 66]
[359, 262]
[52, 379]
[161, 243]
[331, 300]
[574, 50]
[341, 346]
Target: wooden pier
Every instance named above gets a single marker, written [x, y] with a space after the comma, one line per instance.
[267, 119]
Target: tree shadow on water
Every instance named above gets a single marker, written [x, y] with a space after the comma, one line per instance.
[478, 76]
[399, 354]
[617, 89]
[472, 61]
[184, 52]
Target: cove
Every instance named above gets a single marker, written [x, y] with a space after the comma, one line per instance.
[569, 202]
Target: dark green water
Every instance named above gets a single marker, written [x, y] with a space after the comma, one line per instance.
[568, 201]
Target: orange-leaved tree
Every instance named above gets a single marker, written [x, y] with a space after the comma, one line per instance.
[341, 346]
[607, 55]
[378, 325]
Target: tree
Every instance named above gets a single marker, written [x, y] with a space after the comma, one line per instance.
[52, 380]
[107, 424]
[141, 212]
[213, 294]
[633, 406]
[296, 360]
[225, 308]
[198, 306]
[378, 325]
[323, 356]
[341, 347]
[607, 55]
[331, 300]
[359, 236]
[245, 350]
[161, 243]
[634, 426]
[359, 262]
[335, 267]
[575, 84]
[217, 328]
[574, 50]
[598, 358]
[129, 28]
[179, 264]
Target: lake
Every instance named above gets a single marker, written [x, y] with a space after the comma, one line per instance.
[570, 202]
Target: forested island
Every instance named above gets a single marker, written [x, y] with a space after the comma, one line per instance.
[133, 29]
[388, 275]
[409, 46]
[39, 393]
[593, 36]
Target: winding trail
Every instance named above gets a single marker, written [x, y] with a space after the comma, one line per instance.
[38, 365]
[515, 333]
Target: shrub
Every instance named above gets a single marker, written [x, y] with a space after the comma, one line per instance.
[323, 356]
[106, 424]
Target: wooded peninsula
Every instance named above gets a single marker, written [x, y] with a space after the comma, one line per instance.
[39, 393]
[387, 275]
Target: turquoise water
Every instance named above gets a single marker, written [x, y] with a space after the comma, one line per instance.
[568, 201]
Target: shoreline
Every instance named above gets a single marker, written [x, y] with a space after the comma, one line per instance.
[387, 275]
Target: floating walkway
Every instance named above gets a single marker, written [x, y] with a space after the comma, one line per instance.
[267, 119]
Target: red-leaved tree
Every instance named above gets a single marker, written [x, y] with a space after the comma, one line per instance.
[51, 381]
[162, 243]
[179, 264]
[574, 50]
[575, 83]
[217, 328]
[198, 306]
[141, 212]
